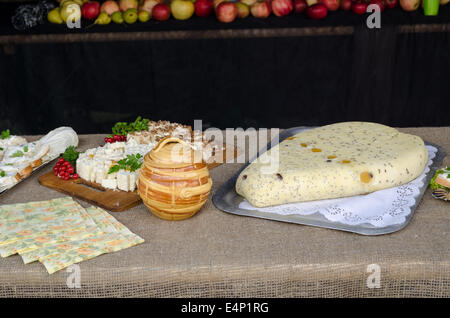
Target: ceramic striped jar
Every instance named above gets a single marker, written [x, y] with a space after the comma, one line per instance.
[174, 182]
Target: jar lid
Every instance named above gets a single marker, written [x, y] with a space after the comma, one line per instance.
[172, 152]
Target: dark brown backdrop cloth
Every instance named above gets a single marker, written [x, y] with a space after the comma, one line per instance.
[215, 254]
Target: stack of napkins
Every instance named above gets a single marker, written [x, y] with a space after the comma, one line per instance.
[60, 232]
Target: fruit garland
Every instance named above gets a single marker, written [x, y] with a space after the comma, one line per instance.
[130, 11]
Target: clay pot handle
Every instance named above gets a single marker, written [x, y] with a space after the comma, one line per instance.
[186, 193]
[167, 140]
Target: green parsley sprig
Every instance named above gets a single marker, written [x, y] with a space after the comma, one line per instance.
[130, 163]
[5, 134]
[71, 155]
[17, 154]
[2, 174]
[123, 128]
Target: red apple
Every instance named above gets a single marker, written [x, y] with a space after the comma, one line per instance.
[300, 6]
[332, 5]
[346, 5]
[226, 12]
[391, 3]
[317, 11]
[379, 3]
[90, 10]
[161, 12]
[109, 7]
[359, 7]
[203, 8]
[409, 5]
[282, 7]
[261, 10]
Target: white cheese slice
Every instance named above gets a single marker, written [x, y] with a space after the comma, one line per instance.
[123, 180]
[100, 173]
[132, 181]
[109, 183]
[89, 166]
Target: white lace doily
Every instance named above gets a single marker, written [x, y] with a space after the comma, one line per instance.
[381, 208]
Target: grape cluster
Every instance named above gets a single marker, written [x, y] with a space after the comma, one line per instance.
[30, 15]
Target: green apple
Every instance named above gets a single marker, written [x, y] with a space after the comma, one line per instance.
[144, 16]
[182, 9]
[117, 17]
[130, 15]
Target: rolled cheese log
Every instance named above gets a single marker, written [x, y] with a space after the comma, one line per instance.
[333, 161]
[58, 140]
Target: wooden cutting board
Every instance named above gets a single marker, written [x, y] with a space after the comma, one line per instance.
[111, 200]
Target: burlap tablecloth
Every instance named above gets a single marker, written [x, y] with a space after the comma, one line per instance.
[215, 254]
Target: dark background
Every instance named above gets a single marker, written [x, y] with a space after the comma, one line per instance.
[399, 79]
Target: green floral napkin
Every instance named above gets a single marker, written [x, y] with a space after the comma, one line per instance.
[25, 220]
[60, 232]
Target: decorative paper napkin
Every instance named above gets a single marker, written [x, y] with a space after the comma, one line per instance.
[60, 232]
[18, 221]
[380, 209]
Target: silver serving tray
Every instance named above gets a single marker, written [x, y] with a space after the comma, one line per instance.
[31, 174]
[226, 199]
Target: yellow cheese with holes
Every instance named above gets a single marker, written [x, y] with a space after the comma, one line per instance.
[333, 161]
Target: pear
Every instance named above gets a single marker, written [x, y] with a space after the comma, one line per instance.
[117, 17]
[103, 19]
[54, 16]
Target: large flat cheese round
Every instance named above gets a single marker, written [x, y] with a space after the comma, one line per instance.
[333, 161]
